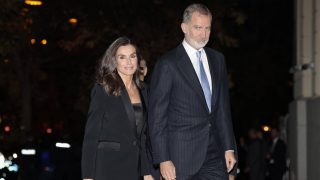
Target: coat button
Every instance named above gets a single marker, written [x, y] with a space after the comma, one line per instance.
[134, 143]
[209, 124]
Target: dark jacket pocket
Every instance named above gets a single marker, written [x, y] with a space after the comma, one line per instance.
[108, 145]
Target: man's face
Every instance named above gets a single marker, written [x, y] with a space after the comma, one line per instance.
[197, 30]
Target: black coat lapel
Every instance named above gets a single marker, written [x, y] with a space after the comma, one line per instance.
[129, 110]
[144, 97]
[214, 77]
[144, 102]
[186, 68]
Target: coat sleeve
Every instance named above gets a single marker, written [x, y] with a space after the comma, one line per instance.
[145, 163]
[92, 132]
[223, 121]
[160, 87]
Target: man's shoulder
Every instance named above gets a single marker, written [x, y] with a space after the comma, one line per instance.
[213, 52]
[171, 54]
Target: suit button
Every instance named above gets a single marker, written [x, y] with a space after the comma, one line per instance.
[209, 124]
[134, 143]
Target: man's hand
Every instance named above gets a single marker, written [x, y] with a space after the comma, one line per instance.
[148, 177]
[230, 160]
[168, 171]
[231, 177]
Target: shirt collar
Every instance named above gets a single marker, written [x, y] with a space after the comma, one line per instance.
[189, 48]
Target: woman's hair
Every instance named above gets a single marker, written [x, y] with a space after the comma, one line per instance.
[107, 74]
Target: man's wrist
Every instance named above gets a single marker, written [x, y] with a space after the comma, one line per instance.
[230, 150]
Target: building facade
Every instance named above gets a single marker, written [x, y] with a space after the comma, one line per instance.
[304, 122]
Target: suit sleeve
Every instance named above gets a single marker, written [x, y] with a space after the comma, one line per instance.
[223, 122]
[160, 87]
[92, 132]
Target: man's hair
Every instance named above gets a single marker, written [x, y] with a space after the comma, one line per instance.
[200, 8]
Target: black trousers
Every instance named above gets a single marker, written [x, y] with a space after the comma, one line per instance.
[214, 166]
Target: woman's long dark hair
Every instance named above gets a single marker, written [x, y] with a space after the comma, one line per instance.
[107, 74]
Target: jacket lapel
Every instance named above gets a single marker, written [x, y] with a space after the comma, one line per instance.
[143, 96]
[214, 77]
[144, 102]
[186, 68]
[129, 110]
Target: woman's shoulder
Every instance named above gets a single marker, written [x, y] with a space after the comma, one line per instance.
[98, 89]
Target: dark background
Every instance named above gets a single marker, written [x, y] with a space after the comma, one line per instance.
[46, 87]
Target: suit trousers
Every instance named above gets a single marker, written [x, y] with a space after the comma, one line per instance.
[214, 166]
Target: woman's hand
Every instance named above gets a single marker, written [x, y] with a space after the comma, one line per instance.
[148, 177]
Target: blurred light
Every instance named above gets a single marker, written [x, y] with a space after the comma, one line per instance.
[7, 128]
[2, 179]
[0, 119]
[10, 158]
[44, 41]
[63, 145]
[6, 61]
[33, 2]
[266, 128]
[33, 41]
[2, 159]
[73, 21]
[15, 155]
[28, 151]
[48, 130]
[14, 168]
[7, 163]
[49, 169]
[25, 9]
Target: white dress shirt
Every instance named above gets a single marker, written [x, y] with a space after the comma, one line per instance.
[193, 57]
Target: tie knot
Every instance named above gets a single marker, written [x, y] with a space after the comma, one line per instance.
[198, 55]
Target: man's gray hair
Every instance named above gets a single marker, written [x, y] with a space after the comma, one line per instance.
[200, 8]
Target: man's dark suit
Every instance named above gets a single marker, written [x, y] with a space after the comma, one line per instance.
[181, 126]
[277, 164]
[112, 146]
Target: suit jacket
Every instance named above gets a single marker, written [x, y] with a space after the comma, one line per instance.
[112, 148]
[257, 151]
[180, 123]
[277, 164]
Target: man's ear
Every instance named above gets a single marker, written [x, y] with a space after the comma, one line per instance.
[184, 27]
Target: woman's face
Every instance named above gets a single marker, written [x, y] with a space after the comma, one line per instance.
[127, 60]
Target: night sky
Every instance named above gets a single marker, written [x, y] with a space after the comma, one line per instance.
[256, 38]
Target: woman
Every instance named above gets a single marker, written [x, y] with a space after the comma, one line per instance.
[114, 142]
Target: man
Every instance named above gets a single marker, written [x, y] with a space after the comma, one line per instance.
[277, 156]
[257, 150]
[189, 116]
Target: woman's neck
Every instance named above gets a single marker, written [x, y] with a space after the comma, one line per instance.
[128, 82]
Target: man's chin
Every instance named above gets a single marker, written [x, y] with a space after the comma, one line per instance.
[200, 45]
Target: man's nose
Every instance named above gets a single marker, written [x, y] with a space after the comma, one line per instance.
[204, 33]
